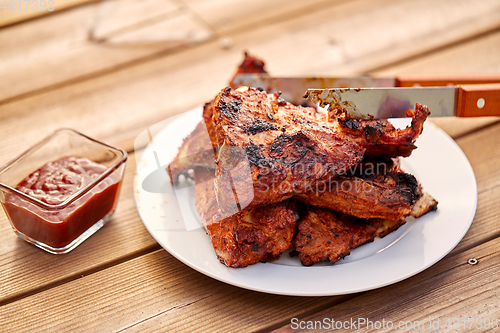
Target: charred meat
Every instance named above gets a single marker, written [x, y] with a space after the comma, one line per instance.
[249, 236]
[269, 147]
[325, 235]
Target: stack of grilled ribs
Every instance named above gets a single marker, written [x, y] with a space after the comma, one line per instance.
[271, 176]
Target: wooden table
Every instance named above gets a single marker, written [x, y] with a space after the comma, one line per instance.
[110, 69]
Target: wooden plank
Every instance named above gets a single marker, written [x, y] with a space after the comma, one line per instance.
[156, 292]
[358, 36]
[109, 15]
[445, 60]
[169, 32]
[26, 268]
[485, 223]
[102, 34]
[481, 149]
[73, 44]
[8, 17]
[113, 17]
[144, 94]
[226, 16]
[458, 127]
[336, 37]
[147, 293]
[450, 289]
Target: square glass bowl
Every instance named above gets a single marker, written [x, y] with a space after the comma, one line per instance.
[59, 228]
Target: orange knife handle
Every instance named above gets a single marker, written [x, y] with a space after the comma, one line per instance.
[444, 80]
[478, 100]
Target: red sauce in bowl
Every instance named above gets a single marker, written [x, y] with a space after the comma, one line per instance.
[52, 184]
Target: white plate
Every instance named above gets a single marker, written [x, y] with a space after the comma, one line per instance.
[438, 163]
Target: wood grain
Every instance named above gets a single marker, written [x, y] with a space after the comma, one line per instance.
[150, 293]
[137, 96]
[334, 37]
[475, 55]
[227, 16]
[485, 224]
[450, 289]
[481, 149]
[60, 48]
[114, 17]
[107, 35]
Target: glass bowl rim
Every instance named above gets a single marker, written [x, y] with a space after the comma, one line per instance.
[78, 193]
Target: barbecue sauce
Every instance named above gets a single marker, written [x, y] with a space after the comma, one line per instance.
[52, 184]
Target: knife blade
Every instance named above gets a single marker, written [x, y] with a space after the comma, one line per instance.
[462, 101]
[293, 88]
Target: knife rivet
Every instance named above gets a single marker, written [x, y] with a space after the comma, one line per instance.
[472, 261]
[480, 103]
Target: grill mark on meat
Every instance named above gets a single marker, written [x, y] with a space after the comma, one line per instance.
[309, 153]
[379, 137]
[293, 145]
[230, 109]
[408, 185]
[349, 123]
[259, 126]
[389, 195]
[325, 235]
[254, 155]
[373, 132]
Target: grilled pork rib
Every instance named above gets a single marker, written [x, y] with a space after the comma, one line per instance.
[327, 235]
[196, 148]
[271, 150]
[378, 136]
[196, 151]
[247, 237]
[268, 147]
[386, 196]
[263, 151]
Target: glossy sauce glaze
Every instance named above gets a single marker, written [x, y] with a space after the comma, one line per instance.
[54, 183]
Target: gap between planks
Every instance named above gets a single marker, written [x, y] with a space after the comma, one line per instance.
[98, 73]
[279, 17]
[79, 275]
[449, 264]
[436, 50]
[235, 31]
[473, 130]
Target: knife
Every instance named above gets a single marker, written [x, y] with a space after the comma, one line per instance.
[472, 100]
[293, 88]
